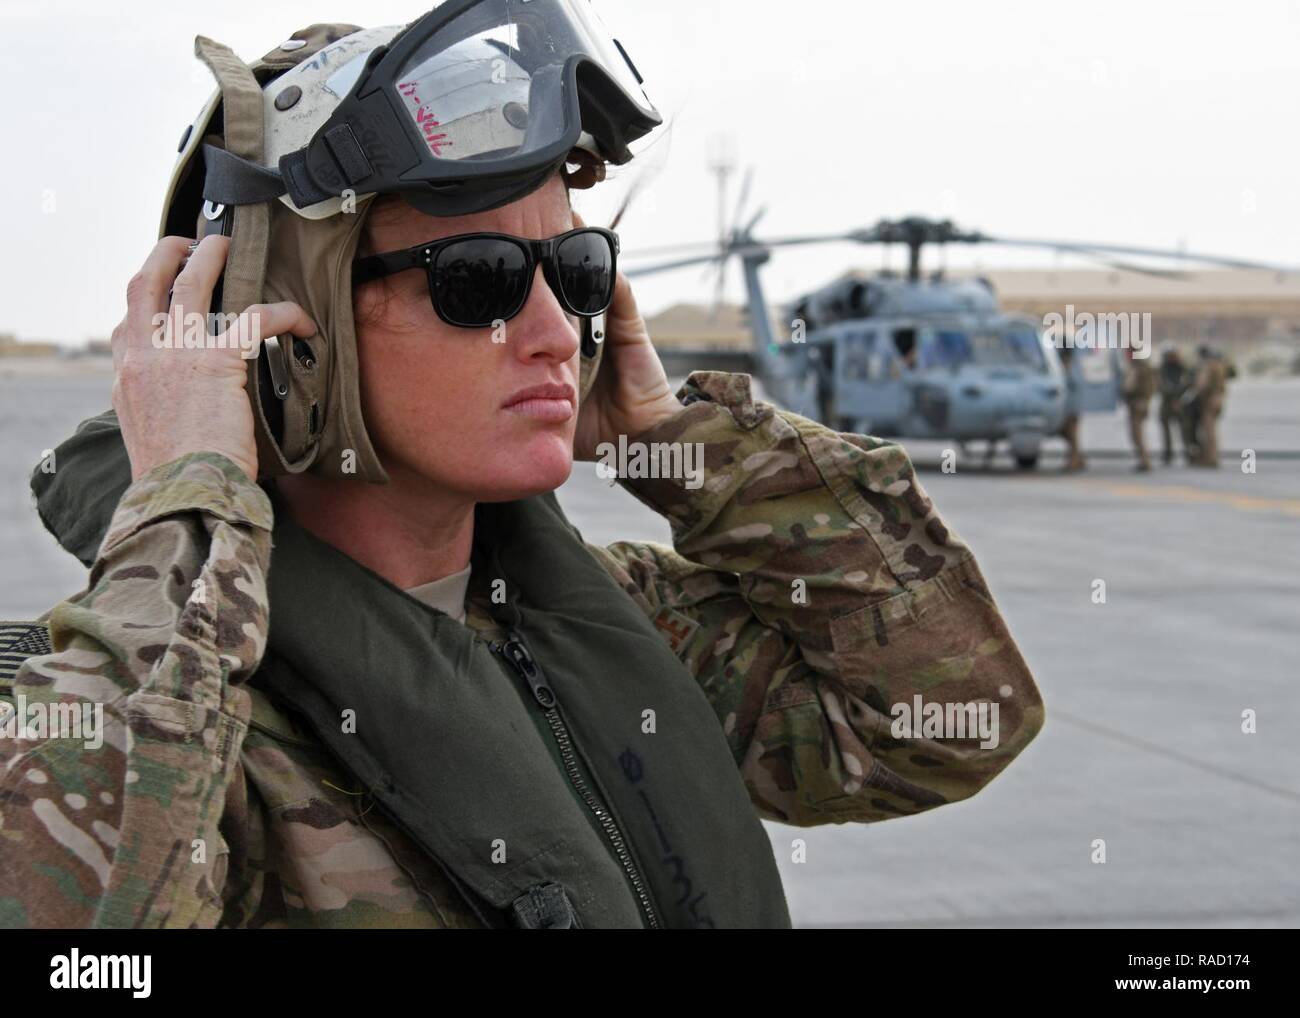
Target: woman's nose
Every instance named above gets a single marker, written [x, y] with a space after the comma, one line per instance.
[543, 328]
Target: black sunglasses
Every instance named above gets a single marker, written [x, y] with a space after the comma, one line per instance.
[477, 279]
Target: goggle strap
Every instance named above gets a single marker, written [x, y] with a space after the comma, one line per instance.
[298, 181]
[230, 180]
[348, 154]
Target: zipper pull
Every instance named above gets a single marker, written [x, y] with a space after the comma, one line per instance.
[516, 652]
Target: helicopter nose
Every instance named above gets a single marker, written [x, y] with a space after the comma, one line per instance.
[1014, 402]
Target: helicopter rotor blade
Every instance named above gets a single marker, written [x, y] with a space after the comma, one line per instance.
[887, 233]
[679, 263]
[716, 254]
[754, 243]
[1127, 266]
[669, 249]
[852, 237]
[719, 285]
[748, 228]
[1141, 252]
[740, 202]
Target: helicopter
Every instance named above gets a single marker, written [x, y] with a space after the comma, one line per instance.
[926, 357]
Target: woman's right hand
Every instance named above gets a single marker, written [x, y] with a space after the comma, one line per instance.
[171, 400]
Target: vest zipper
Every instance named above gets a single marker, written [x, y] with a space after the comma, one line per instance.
[517, 655]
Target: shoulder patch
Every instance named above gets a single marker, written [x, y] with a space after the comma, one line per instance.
[676, 628]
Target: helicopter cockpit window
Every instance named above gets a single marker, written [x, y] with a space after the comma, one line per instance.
[905, 344]
[1016, 347]
[855, 348]
[948, 348]
[1026, 349]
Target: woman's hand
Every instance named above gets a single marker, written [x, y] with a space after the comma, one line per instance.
[631, 393]
[170, 399]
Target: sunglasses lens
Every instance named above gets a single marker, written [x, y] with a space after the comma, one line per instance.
[477, 281]
[584, 263]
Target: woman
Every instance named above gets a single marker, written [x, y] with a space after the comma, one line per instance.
[390, 685]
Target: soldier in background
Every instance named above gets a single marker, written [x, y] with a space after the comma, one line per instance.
[1211, 385]
[1070, 426]
[1175, 382]
[1139, 387]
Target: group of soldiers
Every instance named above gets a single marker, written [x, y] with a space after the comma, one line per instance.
[1191, 402]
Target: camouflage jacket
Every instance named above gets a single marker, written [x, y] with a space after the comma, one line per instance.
[1140, 381]
[1175, 380]
[1212, 380]
[812, 587]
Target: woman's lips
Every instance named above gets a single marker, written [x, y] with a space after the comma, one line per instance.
[553, 403]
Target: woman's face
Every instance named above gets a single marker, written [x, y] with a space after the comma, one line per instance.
[449, 405]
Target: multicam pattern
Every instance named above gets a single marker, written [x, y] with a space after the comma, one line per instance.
[128, 834]
[1140, 381]
[812, 586]
[824, 589]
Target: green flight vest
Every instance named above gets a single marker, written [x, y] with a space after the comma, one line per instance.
[634, 829]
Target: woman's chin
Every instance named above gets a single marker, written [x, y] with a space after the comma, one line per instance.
[540, 465]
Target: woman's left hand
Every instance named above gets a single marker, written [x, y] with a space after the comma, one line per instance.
[631, 393]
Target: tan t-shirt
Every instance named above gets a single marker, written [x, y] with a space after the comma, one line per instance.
[447, 595]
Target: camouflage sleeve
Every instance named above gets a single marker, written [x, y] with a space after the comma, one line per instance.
[842, 633]
[119, 745]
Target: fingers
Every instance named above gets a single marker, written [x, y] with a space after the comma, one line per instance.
[263, 320]
[578, 223]
[146, 293]
[190, 277]
[623, 306]
[192, 289]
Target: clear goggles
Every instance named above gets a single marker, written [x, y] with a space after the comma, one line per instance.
[474, 104]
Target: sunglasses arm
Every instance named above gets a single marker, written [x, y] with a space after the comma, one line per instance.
[372, 267]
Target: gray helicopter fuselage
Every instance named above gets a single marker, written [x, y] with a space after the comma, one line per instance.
[931, 359]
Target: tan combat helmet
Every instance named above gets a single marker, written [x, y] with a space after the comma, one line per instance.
[529, 90]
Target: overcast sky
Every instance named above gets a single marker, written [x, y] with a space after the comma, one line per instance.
[1150, 124]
